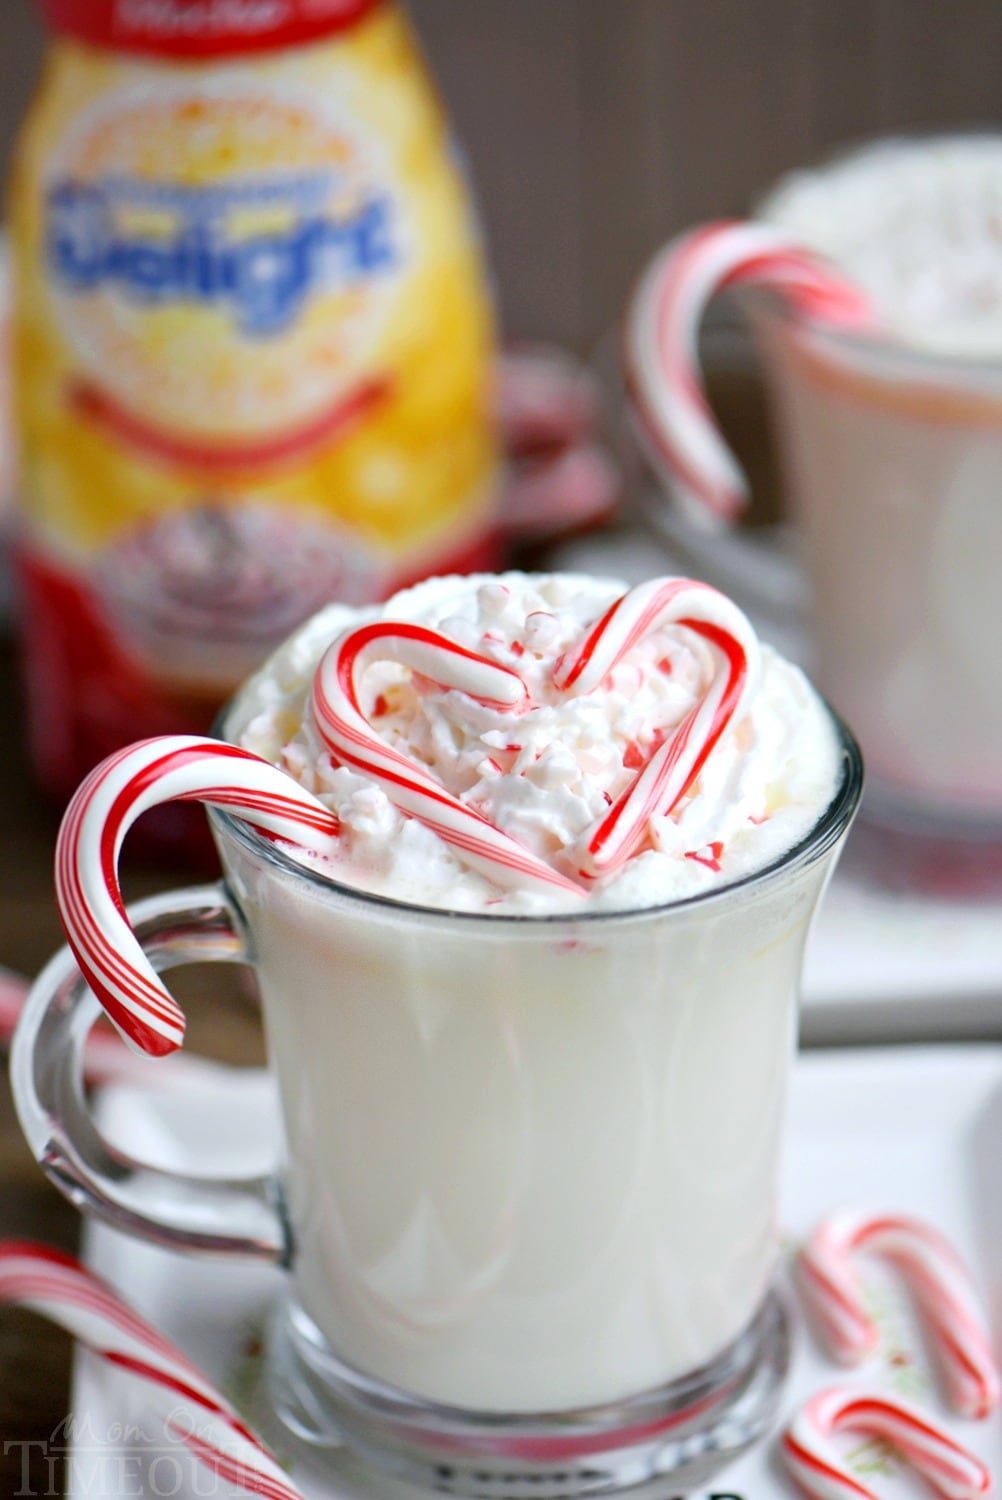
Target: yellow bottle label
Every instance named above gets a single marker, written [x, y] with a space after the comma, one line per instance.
[250, 311]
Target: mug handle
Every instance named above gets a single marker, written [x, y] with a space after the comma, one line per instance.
[660, 348]
[240, 1217]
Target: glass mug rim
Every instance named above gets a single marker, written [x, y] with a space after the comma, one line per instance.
[823, 835]
[898, 360]
[900, 357]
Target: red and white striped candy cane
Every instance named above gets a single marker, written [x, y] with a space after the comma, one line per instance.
[192, 1410]
[106, 1058]
[815, 1462]
[344, 728]
[673, 768]
[660, 346]
[168, 768]
[939, 1281]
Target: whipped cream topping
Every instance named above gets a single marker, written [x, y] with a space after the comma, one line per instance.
[546, 775]
[918, 225]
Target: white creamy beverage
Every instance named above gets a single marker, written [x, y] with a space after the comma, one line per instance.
[534, 1156]
[893, 450]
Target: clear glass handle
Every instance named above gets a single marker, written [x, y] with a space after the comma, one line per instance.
[235, 1216]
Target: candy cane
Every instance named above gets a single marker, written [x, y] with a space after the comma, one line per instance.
[192, 1410]
[344, 728]
[660, 346]
[815, 1462]
[106, 1058]
[939, 1281]
[172, 767]
[672, 769]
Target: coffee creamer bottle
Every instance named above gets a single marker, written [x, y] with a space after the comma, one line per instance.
[253, 348]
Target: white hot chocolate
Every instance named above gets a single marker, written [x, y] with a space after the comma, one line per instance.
[892, 449]
[533, 1137]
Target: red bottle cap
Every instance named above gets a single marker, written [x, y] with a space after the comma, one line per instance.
[197, 29]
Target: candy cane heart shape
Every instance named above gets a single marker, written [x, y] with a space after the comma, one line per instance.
[937, 1278]
[345, 729]
[673, 768]
[192, 1410]
[165, 769]
[814, 1460]
[660, 347]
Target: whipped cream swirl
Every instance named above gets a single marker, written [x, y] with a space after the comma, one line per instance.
[546, 775]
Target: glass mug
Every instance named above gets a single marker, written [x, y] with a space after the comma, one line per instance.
[890, 454]
[528, 1206]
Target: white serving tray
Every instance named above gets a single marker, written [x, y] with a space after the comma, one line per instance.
[917, 1130]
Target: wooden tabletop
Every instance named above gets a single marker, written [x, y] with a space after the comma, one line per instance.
[34, 1355]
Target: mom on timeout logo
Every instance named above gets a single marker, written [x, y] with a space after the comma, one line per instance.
[91, 1460]
[129, 1461]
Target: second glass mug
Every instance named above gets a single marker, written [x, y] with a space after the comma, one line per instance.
[529, 1200]
[890, 454]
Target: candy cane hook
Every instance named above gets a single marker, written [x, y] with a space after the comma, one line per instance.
[814, 1460]
[343, 726]
[672, 769]
[936, 1276]
[169, 768]
[660, 351]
